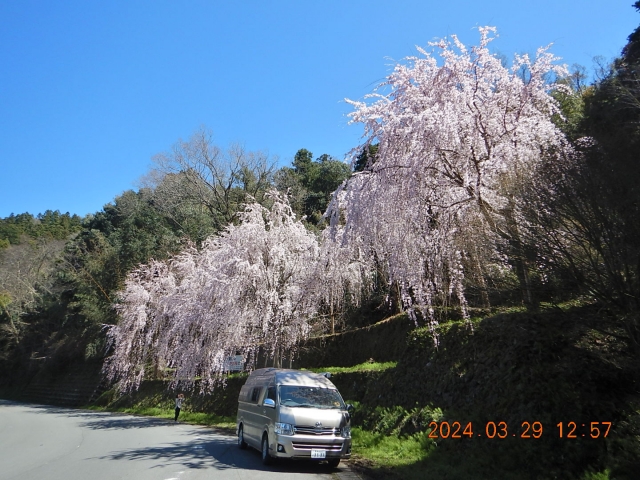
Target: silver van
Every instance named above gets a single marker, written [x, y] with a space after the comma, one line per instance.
[293, 414]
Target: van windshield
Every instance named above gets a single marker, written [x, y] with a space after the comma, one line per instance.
[310, 397]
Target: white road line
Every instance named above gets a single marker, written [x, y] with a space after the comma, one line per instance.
[175, 478]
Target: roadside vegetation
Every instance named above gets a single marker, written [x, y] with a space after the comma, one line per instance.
[568, 364]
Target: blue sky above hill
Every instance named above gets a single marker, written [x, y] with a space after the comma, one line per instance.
[90, 91]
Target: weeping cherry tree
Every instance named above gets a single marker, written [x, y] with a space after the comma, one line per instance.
[456, 137]
[256, 285]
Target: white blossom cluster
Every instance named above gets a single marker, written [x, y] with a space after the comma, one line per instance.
[258, 284]
[456, 136]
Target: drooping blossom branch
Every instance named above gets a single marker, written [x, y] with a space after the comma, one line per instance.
[259, 284]
[457, 136]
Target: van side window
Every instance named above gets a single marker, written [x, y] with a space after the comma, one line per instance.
[271, 393]
[255, 394]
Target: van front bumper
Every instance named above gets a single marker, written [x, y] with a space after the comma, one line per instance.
[302, 446]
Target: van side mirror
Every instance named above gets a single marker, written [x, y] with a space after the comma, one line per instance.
[268, 402]
[349, 407]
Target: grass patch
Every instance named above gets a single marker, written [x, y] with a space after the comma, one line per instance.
[363, 367]
[390, 451]
[597, 476]
[225, 423]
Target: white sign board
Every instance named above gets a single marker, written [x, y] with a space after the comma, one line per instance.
[234, 363]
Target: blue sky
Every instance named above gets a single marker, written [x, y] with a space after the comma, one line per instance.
[90, 91]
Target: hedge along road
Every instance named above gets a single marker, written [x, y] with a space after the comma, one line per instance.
[39, 442]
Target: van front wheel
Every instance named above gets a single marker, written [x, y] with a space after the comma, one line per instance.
[333, 462]
[241, 443]
[266, 458]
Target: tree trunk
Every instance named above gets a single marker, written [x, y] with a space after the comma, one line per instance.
[333, 320]
[395, 298]
[484, 291]
[518, 258]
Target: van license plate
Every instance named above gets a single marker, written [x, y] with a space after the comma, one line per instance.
[318, 453]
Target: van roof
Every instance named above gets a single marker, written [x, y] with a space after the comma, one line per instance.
[285, 376]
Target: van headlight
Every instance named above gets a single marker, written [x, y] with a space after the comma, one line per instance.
[284, 429]
[345, 431]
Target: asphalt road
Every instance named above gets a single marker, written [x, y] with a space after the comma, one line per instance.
[39, 442]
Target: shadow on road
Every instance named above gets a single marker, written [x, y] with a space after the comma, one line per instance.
[217, 453]
[96, 420]
[209, 450]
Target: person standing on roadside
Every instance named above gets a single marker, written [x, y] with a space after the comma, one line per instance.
[179, 400]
